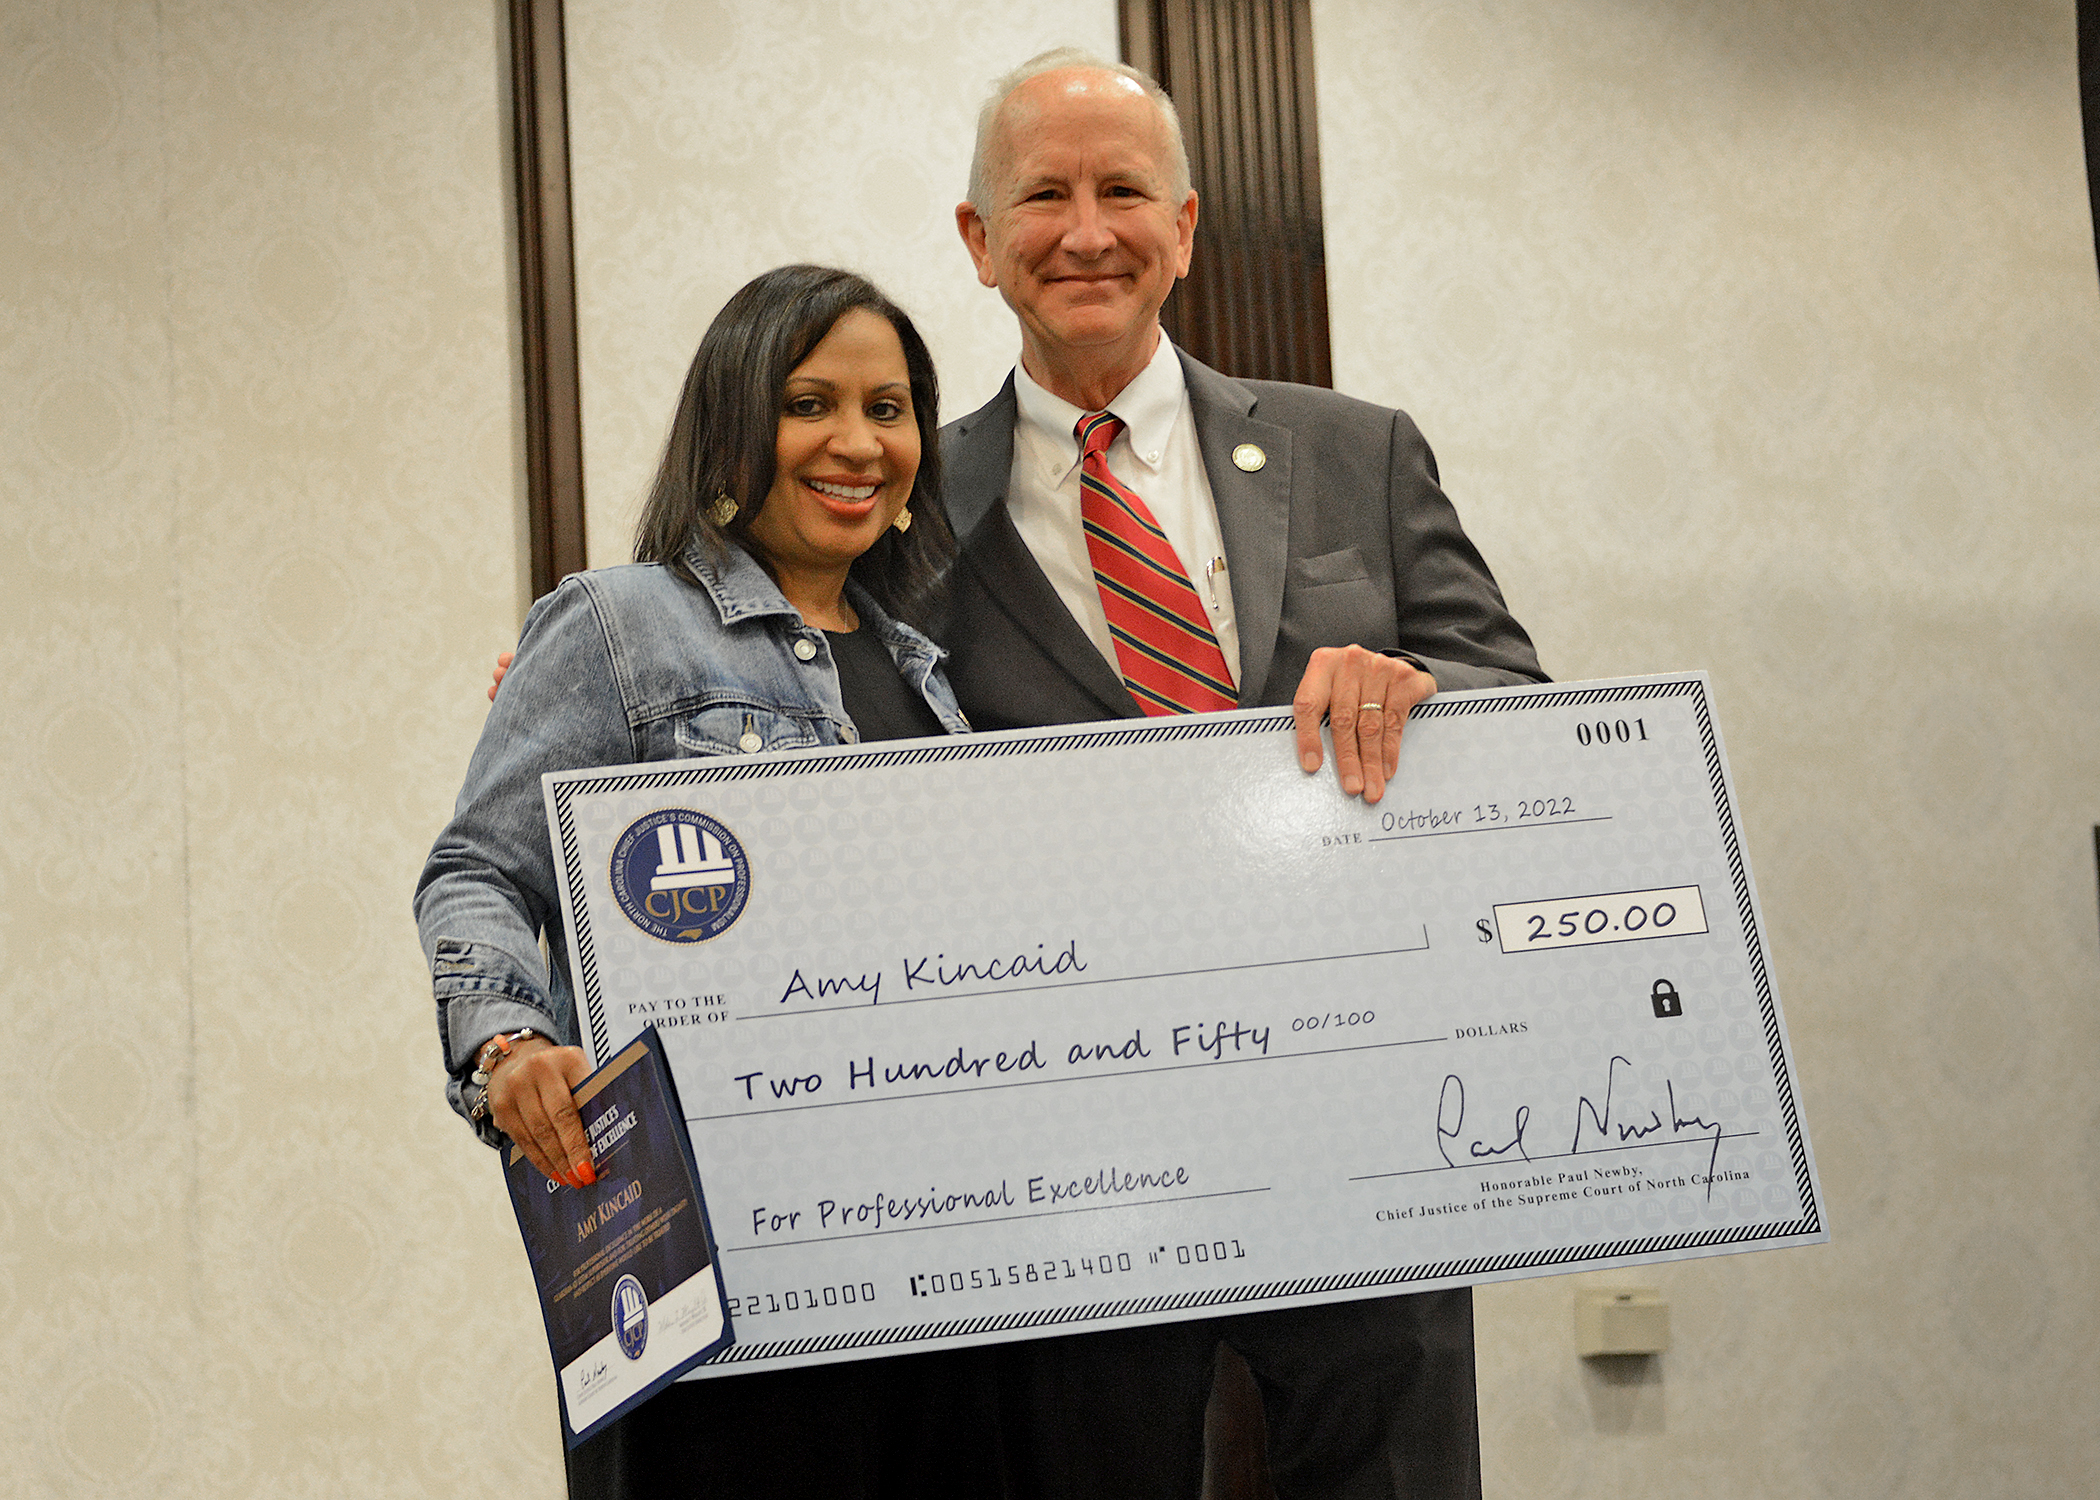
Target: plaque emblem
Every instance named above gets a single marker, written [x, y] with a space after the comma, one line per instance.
[630, 1315]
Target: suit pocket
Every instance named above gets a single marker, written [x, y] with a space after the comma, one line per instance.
[1331, 600]
[1345, 566]
[742, 729]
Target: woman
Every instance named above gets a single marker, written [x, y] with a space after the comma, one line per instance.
[795, 518]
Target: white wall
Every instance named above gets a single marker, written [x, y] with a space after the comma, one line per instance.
[1765, 339]
[256, 544]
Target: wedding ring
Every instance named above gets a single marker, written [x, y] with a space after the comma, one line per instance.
[1364, 708]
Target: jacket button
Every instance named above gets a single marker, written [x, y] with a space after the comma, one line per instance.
[751, 744]
[805, 649]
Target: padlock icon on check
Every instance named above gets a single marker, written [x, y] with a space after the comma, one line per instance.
[1666, 1001]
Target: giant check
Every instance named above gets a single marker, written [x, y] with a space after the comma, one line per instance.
[1044, 1031]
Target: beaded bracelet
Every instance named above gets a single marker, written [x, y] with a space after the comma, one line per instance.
[492, 1053]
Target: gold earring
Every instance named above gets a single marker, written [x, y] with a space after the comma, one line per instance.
[903, 521]
[722, 509]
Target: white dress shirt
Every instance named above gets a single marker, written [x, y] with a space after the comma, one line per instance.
[1156, 456]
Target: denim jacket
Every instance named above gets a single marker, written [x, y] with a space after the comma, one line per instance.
[617, 666]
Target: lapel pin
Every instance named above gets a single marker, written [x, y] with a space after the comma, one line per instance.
[1247, 458]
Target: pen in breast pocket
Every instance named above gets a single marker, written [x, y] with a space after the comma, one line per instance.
[1211, 570]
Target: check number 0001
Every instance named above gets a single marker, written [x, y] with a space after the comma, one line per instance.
[1617, 917]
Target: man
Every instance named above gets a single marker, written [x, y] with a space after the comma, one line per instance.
[1319, 565]
[1324, 511]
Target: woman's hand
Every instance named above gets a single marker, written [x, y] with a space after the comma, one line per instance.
[503, 661]
[531, 1100]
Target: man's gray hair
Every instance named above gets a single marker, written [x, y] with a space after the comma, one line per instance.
[1056, 60]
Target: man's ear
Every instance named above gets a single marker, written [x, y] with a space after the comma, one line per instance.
[971, 226]
[1185, 232]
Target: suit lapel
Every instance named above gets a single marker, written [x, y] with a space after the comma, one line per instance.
[977, 460]
[979, 466]
[1254, 512]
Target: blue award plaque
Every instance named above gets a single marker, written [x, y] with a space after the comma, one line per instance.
[626, 1268]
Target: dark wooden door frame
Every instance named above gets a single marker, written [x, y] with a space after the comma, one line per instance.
[546, 250]
[2089, 105]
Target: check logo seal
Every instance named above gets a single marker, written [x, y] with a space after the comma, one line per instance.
[680, 876]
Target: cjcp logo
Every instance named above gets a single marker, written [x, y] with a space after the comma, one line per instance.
[630, 1316]
[680, 876]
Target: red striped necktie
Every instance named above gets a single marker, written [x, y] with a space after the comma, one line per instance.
[1170, 660]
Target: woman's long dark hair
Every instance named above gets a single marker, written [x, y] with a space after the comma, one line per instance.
[724, 435]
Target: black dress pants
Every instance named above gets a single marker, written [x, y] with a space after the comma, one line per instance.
[1366, 1400]
[879, 1429]
[1371, 1400]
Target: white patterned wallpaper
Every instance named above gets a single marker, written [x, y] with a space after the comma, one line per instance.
[1760, 338]
[256, 543]
[1765, 338]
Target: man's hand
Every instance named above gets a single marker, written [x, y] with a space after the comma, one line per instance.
[1366, 698]
[531, 1100]
[503, 659]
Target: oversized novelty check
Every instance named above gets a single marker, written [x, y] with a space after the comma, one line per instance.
[1046, 1031]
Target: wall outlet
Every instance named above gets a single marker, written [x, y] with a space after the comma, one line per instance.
[1621, 1320]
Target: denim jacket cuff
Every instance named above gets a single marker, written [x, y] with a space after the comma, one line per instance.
[480, 991]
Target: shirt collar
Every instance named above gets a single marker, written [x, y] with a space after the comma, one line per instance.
[1148, 407]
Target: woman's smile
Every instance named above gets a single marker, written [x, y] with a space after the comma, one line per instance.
[846, 498]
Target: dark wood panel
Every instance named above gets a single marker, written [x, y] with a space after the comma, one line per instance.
[2089, 102]
[546, 290]
[1241, 74]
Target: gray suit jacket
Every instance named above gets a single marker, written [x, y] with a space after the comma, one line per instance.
[1341, 536]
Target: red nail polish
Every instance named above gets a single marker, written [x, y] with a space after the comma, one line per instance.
[586, 1173]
